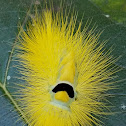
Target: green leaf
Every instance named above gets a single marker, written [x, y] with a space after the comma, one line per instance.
[12, 13]
[15, 12]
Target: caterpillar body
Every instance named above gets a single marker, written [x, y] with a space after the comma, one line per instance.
[66, 72]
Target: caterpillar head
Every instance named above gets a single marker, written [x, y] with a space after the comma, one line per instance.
[63, 93]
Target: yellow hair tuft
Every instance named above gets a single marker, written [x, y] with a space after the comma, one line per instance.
[66, 72]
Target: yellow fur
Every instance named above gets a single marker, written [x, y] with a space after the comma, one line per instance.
[62, 96]
[68, 70]
[52, 51]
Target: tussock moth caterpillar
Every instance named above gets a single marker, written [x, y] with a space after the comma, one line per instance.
[66, 71]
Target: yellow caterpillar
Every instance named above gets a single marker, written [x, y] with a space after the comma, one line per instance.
[66, 72]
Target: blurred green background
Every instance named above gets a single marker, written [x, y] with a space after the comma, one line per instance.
[114, 9]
